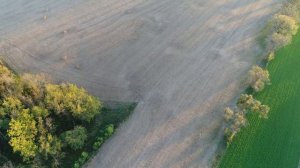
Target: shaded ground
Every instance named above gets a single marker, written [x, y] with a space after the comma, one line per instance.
[181, 60]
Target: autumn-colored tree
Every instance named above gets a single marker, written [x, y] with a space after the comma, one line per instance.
[49, 145]
[31, 116]
[33, 87]
[68, 98]
[277, 40]
[22, 131]
[258, 78]
[264, 111]
[7, 81]
[284, 25]
[228, 114]
[11, 106]
[39, 111]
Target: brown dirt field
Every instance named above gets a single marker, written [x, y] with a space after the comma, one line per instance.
[182, 60]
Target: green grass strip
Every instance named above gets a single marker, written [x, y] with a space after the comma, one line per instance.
[275, 142]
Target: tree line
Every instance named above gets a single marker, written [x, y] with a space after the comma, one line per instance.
[282, 27]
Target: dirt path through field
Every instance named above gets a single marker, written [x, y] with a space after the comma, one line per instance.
[181, 60]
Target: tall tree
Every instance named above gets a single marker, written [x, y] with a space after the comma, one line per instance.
[22, 131]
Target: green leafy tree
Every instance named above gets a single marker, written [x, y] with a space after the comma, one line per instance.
[109, 130]
[22, 131]
[68, 98]
[75, 138]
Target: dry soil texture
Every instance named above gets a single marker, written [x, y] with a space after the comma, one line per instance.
[181, 60]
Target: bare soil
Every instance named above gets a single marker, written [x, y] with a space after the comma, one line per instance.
[182, 60]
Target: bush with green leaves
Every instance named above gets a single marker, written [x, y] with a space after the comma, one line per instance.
[75, 138]
[108, 131]
[83, 158]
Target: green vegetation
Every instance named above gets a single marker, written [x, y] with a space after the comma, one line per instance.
[42, 123]
[99, 130]
[75, 138]
[274, 142]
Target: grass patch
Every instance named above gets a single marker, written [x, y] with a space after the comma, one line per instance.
[273, 143]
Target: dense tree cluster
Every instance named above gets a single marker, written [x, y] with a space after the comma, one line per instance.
[31, 111]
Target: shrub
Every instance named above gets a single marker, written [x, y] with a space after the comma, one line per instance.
[97, 144]
[33, 88]
[4, 123]
[276, 41]
[271, 56]
[228, 114]
[82, 159]
[7, 81]
[109, 130]
[258, 78]
[285, 25]
[75, 138]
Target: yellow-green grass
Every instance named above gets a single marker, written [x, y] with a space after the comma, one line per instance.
[275, 142]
